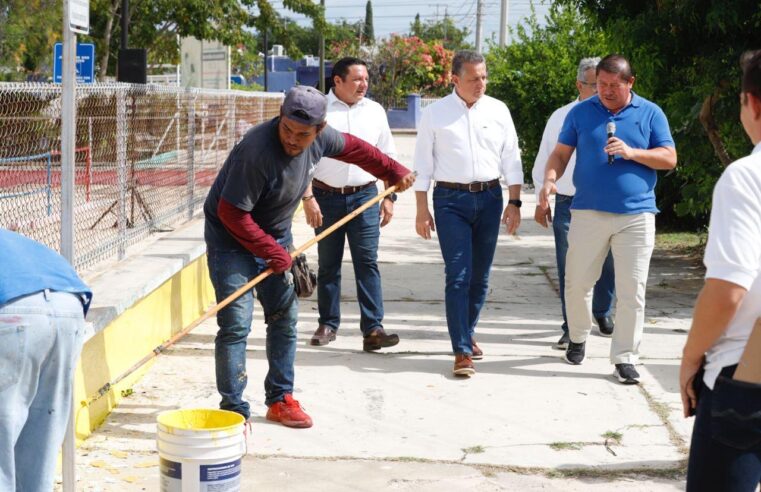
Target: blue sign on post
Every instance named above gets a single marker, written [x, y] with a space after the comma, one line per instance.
[85, 63]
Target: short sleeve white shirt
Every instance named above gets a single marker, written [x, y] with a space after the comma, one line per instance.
[733, 254]
[458, 144]
[549, 140]
[365, 119]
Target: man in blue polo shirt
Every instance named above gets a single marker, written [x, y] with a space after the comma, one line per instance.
[621, 140]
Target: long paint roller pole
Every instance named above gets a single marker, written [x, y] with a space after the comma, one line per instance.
[217, 307]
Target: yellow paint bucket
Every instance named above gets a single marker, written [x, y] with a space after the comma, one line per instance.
[200, 450]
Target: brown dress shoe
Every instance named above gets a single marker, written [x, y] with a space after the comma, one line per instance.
[323, 336]
[478, 354]
[463, 365]
[378, 339]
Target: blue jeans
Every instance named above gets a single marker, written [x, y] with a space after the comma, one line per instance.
[716, 466]
[41, 337]
[467, 225]
[363, 233]
[229, 270]
[605, 288]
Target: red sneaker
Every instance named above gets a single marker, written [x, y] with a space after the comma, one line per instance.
[289, 413]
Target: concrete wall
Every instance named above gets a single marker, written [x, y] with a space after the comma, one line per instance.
[405, 118]
[138, 305]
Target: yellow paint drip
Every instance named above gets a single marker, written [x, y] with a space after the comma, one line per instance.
[205, 419]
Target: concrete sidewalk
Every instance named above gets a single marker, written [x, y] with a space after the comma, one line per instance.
[398, 419]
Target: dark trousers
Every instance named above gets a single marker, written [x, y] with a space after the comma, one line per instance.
[363, 234]
[714, 466]
[467, 225]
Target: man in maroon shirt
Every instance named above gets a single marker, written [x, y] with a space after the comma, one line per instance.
[248, 213]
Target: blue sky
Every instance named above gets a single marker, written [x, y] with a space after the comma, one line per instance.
[395, 16]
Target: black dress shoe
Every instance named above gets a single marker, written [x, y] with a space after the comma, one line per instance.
[378, 339]
[323, 336]
[605, 323]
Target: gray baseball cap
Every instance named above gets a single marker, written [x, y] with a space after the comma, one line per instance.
[305, 104]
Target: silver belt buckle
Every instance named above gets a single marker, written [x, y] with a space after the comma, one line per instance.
[470, 187]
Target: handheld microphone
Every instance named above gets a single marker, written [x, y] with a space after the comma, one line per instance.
[611, 128]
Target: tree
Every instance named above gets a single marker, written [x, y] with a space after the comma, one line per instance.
[406, 65]
[445, 31]
[305, 39]
[369, 30]
[685, 54]
[31, 27]
[535, 74]
[28, 30]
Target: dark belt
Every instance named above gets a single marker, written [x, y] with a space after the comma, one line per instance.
[343, 190]
[473, 187]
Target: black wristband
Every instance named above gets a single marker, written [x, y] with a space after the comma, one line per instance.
[391, 197]
[516, 202]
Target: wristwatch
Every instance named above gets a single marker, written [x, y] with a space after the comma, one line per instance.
[517, 203]
[391, 197]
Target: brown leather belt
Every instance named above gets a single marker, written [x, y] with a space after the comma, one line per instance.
[473, 187]
[343, 190]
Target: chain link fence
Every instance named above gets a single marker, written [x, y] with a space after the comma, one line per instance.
[146, 157]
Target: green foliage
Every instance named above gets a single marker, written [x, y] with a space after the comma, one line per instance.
[306, 39]
[28, 30]
[245, 60]
[407, 65]
[444, 31]
[536, 74]
[684, 51]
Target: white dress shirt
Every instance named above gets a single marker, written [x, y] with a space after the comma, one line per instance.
[463, 145]
[365, 119]
[733, 253]
[549, 140]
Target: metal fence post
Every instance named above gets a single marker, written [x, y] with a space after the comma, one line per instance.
[68, 162]
[121, 168]
[191, 151]
[231, 125]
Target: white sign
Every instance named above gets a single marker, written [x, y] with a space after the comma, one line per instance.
[204, 64]
[79, 16]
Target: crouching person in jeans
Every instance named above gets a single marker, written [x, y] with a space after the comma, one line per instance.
[42, 308]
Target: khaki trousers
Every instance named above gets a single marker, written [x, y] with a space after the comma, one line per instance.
[631, 239]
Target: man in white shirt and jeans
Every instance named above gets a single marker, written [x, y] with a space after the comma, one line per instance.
[465, 142]
[336, 191]
[602, 300]
[725, 451]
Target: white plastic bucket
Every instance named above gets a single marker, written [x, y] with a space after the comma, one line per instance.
[200, 450]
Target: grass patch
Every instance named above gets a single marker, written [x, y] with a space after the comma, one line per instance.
[565, 446]
[474, 450]
[682, 243]
[613, 437]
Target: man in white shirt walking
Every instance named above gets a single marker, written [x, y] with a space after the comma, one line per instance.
[602, 300]
[465, 142]
[337, 190]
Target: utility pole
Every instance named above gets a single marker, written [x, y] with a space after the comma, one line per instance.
[503, 23]
[321, 82]
[266, 47]
[124, 24]
[479, 18]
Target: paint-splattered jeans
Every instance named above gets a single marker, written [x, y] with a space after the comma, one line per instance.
[229, 270]
[40, 340]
